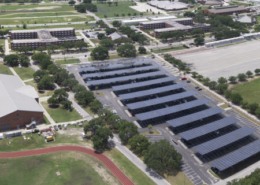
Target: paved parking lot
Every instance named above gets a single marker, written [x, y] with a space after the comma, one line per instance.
[225, 61]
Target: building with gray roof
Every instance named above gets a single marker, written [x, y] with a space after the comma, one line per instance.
[168, 5]
[227, 10]
[115, 36]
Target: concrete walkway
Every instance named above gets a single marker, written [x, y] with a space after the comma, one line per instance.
[87, 39]
[28, 80]
[138, 162]
[6, 47]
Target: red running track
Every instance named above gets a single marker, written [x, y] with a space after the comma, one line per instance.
[109, 164]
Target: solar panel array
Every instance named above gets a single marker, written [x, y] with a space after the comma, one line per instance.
[112, 66]
[151, 91]
[110, 73]
[126, 78]
[194, 117]
[161, 100]
[208, 128]
[237, 156]
[171, 110]
[143, 84]
[224, 140]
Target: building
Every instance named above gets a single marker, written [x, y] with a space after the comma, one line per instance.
[115, 36]
[246, 19]
[181, 24]
[168, 5]
[211, 2]
[163, 18]
[42, 37]
[19, 104]
[228, 10]
[133, 21]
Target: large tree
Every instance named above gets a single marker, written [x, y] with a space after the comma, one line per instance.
[108, 43]
[93, 125]
[99, 53]
[139, 144]
[84, 97]
[100, 138]
[163, 158]
[113, 121]
[60, 95]
[24, 60]
[25, 49]
[127, 130]
[81, 44]
[116, 24]
[95, 106]
[43, 59]
[12, 60]
[37, 76]
[45, 83]
[127, 50]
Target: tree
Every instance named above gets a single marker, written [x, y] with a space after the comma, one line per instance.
[113, 121]
[127, 50]
[109, 3]
[228, 93]
[200, 77]
[72, 2]
[101, 36]
[24, 49]
[41, 48]
[126, 131]
[37, 76]
[2, 48]
[222, 80]
[222, 88]
[252, 107]
[189, 14]
[69, 83]
[93, 125]
[241, 77]
[100, 138]
[108, 43]
[194, 74]
[81, 44]
[24, 60]
[139, 144]
[232, 79]
[116, 24]
[43, 59]
[53, 69]
[52, 101]
[99, 53]
[236, 98]
[84, 97]
[78, 88]
[60, 95]
[163, 158]
[197, 32]
[212, 84]
[199, 41]
[52, 48]
[257, 112]
[67, 45]
[142, 50]
[110, 30]
[257, 71]
[46, 82]
[67, 104]
[206, 81]
[95, 106]
[249, 74]
[12, 60]
[116, 3]
[150, 127]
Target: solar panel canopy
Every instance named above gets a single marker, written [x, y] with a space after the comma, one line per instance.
[224, 140]
[194, 117]
[143, 84]
[109, 73]
[125, 78]
[161, 100]
[151, 91]
[237, 156]
[171, 110]
[208, 128]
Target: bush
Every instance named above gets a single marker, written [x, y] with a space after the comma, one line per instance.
[236, 98]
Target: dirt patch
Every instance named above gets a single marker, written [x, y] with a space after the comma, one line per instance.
[71, 131]
[41, 8]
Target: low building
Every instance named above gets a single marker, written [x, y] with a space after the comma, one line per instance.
[211, 2]
[115, 36]
[227, 10]
[133, 21]
[168, 5]
[246, 19]
[181, 24]
[19, 104]
[163, 18]
[42, 37]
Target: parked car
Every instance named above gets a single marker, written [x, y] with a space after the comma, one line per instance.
[183, 78]
[199, 89]
[114, 111]
[55, 127]
[35, 130]
[188, 81]
[60, 127]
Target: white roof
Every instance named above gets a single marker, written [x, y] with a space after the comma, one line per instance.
[36, 30]
[116, 35]
[133, 20]
[15, 96]
[245, 19]
[167, 5]
[163, 18]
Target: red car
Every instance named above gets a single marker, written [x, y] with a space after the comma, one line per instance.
[183, 78]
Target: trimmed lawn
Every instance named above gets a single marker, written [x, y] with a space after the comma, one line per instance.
[2, 42]
[61, 115]
[40, 93]
[25, 73]
[36, 14]
[46, 121]
[75, 168]
[128, 168]
[44, 8]
[224, 106]
[5, 70]
[169, 49]
[249, 90]
[179, 179]
[68, 61]
[109, 11]
[88, 110]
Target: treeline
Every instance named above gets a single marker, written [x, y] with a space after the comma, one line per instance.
[136, 37]
[177, 63]
[19, 1]
[86, 5]
[252, 179]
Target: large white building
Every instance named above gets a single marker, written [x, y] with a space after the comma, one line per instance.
[168, 5]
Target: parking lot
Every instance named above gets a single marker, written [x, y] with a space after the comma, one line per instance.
[225, 61]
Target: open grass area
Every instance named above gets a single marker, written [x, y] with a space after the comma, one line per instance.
[25, 73]
[249, 90]
[179, 179]
[41, 93]
[128, 168]
[2, 41]
[41, 7]
[169, 49]
[110, 11]
[46, 121]
[5, 70]
[61, 115]
[45, 20]
[153, 132]
[36, 14]
[224, 106]
[68, 61]
[74, 167]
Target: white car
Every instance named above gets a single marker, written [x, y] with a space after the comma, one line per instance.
[114, 111]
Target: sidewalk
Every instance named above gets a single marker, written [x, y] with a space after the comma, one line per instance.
[87, 39]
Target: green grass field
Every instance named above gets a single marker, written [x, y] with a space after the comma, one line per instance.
[25, 73]
[37, 14]
[46, 121]
[68, 61]
[5, 70]
[74, 167]
[169, 49]
[61, 115]
[46, 8]
[249, 91]
[40, 93]
[2, 41]
[109, 11]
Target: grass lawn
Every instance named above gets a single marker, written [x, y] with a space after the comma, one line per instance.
[36, 14]
[179, 179]
[2, 41]
[95, 41]
[153, 132]
[224, 106]
[46, 20]
[68, 61]
[249, 90]
[74, 167]
[88, 110]
[46, 121]
[169, 49]
[109, 11]
[128, 168]
[40, 93]
[25, 73]
[45, 8]
[5, 70]
[61, 115]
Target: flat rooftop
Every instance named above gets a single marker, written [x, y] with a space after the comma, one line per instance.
[52, 39]
[227, 9]
[37, 30]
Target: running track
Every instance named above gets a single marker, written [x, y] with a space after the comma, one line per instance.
[109, 164]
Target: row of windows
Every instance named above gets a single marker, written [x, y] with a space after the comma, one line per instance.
[21, 119]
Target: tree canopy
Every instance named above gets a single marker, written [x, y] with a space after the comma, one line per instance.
[99, 53]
